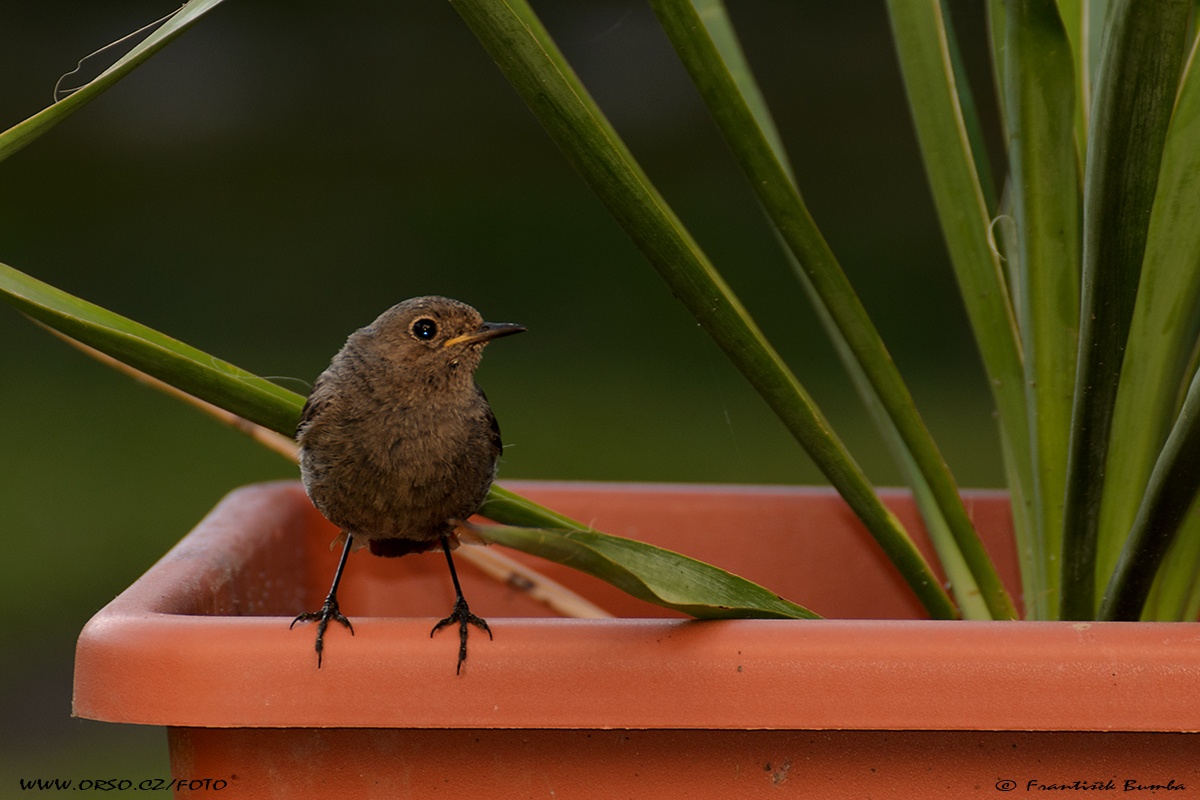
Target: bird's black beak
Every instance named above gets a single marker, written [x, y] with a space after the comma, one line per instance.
[487, 331]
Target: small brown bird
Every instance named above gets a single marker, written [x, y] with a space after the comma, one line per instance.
[398, 444]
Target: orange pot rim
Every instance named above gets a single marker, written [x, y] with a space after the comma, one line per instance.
[149, 656]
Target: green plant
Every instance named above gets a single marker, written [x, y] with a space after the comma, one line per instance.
[1078, 275]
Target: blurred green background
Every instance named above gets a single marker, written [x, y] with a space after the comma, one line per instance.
[277, 177]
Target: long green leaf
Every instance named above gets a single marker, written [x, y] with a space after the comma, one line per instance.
[758, 153]
[1165, 326]
[197, 373]
[970, 599]
[509, 508]
[1073, 15]
[521, 47]
[972, 125]
[927, 64]
[1172, 489]
[1045, 187]
[997, 45]
[650, 573]
[1083, 21]
[1135, 94]
[1175, 595]
[25, 132]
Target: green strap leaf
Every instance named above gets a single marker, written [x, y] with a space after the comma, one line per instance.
[524, 51]
[1175, 595]
[927, 64]
[972, 125]
[509, 508]
[1172, 489]
[1083, 24]
[970, 599]
[1135, 95]
[1045, 188]
[742, 118]
[650, 573]
[194, 371]
[1164, 329]
[25, 132]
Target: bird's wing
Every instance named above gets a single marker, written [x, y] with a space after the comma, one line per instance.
[497, 444]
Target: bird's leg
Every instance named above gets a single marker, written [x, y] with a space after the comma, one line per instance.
[460, 613]
[329, 610]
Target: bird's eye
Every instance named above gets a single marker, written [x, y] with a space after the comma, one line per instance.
[424, 329]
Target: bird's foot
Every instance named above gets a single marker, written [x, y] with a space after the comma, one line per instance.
[329, 611]
[463, 616]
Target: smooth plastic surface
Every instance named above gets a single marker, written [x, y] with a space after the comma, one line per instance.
[684, 764]
[202, 640]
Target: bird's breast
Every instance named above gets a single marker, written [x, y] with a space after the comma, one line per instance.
[401, 468]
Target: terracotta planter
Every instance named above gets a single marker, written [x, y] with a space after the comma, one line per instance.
[876, 703]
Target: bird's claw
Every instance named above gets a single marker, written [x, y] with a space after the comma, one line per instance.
[329, 611]
[463, 616]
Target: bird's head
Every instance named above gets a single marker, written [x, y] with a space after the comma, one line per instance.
[435, 335]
